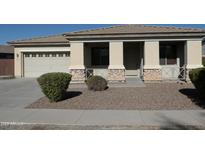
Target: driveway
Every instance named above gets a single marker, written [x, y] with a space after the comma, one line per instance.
[18, 93]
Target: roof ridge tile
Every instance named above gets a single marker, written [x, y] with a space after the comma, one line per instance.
[90, 30]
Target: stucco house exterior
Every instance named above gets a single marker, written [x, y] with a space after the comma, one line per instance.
[151, 53]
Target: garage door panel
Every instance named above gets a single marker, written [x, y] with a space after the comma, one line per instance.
[36, 64]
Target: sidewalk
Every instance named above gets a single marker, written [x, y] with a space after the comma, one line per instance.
[117, 119]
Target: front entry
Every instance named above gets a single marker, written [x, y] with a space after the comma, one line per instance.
[132, 58]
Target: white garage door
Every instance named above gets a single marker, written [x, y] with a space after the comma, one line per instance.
[36, 64]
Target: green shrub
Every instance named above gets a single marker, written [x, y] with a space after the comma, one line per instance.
[96, 83]
[54, 85]
[197, 77]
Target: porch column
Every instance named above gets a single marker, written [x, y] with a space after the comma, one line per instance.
[18, 62]
[152, 69]
[193, 55]
[77, 68]
[116, 69]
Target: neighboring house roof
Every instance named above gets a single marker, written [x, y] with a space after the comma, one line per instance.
[6, 49]
[116, 32]
[46, 40]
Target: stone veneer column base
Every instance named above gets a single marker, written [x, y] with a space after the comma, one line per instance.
[116, 75]
[152, 75]
[78, 75]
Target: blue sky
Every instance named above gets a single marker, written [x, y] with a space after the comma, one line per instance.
[9, 32]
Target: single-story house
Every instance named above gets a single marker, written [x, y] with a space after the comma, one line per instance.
[151, 53]
[6, 60]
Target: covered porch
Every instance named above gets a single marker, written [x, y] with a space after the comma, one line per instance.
[149, 60]
[97, 59]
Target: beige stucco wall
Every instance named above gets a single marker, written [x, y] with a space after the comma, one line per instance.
[116, 55]
[194, 54]
[151, 55]
[77, 55]
[18, 55]
[17, 62]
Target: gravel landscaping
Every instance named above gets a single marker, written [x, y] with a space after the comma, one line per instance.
[155, 96]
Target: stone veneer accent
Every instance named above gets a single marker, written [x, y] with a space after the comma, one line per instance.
[77, 74]
[116, 74]
[152, 75]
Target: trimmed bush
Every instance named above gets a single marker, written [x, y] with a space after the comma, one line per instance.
[96, 83]
[54, 85]
[197, 77]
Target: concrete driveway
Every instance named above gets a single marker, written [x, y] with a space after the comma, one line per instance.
[18, 93]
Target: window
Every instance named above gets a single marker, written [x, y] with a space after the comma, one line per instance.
[168, 55]
[47, 55]
[100, 56]
[27, 55]
[60, 54]
[53, 54]
[40, 55]
[67, 54]
[33, 55]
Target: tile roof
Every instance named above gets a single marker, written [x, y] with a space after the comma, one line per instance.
[135, 29]
[6, 49]
[117, 31]
[44, 39]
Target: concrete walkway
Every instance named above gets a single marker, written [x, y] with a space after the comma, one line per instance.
[106, 118]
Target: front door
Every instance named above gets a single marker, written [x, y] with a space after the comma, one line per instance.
[132, 59]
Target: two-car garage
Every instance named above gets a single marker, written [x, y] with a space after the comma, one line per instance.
[37, 56]
[38, 63]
